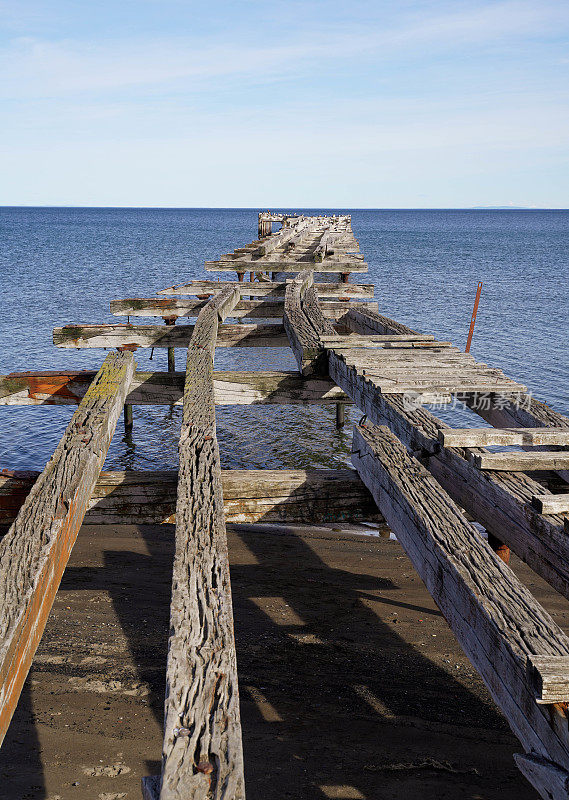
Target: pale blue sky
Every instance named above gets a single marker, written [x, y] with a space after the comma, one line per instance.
[291, 104]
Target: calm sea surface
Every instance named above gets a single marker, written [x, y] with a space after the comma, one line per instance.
[61, 265]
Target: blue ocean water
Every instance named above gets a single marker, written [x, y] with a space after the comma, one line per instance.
[64, 265]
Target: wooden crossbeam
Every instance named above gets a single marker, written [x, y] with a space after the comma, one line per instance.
[35, 551]
[485, 437]
[202, 730]
[249, 496]
[288, 267]
[265, 309]
[157, 388]
[244, 335]
[518, 461]
[270, 289]
[498, 630]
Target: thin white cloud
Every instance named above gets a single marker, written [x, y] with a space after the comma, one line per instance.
[36, 68]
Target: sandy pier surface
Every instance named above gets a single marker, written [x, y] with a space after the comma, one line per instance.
[352, 686]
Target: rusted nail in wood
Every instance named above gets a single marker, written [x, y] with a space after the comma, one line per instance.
[130, 347]
[207, 438]
[206, 767]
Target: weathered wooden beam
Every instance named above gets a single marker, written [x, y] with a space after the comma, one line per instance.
[363, 322]
[249, 496]
[35, 551]
[496, 620]
[157, 388]
[288, 267]
[485, 437]
[500, 501]
[514, 461]
[270, 289]
[78, 336]
[253, 309]
[202, 754]
[303, 338]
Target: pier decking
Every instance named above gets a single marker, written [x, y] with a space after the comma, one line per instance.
[413, 473]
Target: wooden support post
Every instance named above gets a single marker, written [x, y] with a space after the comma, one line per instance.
[35, 551]
[128, 417]
[340, 415]
[345, 277]
[240, 277]
[171, 350]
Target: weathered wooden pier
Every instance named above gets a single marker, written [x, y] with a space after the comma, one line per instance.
[423, 479]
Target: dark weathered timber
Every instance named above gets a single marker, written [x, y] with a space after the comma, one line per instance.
[303, 338]
[35, 551]
[249, 496]
[270, 289]
[314, 311]
[502, 502]
[77, 336]
[496, 620]
[246, 309]
[156, 388]
[202, 753]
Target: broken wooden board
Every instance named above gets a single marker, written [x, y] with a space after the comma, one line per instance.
[270, 289]
[157, 388]
[35, 551]
[247, 335]
[249, 496]
[495, 618]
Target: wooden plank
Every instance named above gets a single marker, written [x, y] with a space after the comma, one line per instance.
[263, 309]
[485, 437]
[157, 388]
[270, 289]
[288, 267]
[35, 551]
[550, 676]
[521, 461]
[500, 501]
[496, 620]
[202, 752]
[244, 335]
[249, 496]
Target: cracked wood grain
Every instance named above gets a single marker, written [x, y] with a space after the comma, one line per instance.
[35, 551]
[202, 755]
